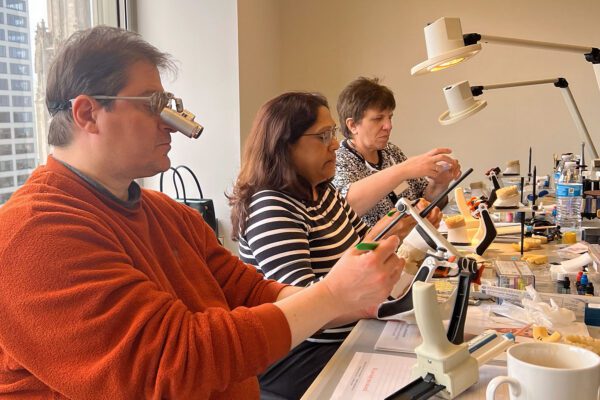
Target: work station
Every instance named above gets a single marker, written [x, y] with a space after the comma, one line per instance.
[317, 199]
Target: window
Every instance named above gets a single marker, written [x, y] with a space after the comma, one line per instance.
[16, 20]
[7, 181]
[6, 166]
[20, 101]
[24, 148]
[21, 60]
[15, 52]
[4, 197]
[25, 163]
[4, 101]
[20, 116]
[22, 133]
[16, 84]
[21, 179]
[17, 37]
[5, 149]
[18, 5]
[19, 69]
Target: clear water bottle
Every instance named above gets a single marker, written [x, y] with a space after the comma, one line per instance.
[565, 157]
[569, 197]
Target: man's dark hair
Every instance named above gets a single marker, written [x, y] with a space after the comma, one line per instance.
[95, 61]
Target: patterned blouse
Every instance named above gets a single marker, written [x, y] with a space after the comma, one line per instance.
[351, 167]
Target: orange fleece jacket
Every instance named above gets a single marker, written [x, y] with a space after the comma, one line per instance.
[99, 301]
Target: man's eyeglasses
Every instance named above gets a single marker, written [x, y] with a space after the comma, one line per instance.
[159, 103]
[157, 100]
[326, 136]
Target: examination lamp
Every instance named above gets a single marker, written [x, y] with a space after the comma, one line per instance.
[461, 103]
[447, 46]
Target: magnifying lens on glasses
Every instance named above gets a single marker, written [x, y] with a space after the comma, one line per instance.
[181, 119]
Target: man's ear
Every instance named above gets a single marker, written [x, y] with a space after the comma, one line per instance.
[351, 125]
[85, 112]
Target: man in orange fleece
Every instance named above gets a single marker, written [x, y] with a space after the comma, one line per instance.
[111, 291]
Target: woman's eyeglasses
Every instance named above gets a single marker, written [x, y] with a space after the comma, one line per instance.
[326, 136]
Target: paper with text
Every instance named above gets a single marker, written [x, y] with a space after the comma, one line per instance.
[372, 376]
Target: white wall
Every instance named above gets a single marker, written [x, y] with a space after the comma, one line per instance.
[236, 55]
[260, 47]
[327, 43]
[202, 36]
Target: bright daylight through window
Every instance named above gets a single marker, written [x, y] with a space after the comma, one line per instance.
[30, 32]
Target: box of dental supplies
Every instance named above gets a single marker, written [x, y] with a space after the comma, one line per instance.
[513, 274]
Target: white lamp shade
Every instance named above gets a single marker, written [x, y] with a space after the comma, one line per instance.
[461, 103]
[445, 46]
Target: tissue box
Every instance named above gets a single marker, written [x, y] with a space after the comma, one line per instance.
[513, 274]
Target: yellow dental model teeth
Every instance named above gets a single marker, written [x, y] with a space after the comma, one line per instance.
[455, 221]
[537, 259]
[586, 342]
[540, 333]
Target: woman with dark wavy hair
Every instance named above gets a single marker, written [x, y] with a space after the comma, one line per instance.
[291, 222]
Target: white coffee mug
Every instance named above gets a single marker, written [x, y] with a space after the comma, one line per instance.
[547, 371]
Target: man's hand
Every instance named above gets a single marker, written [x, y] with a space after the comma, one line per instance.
[361, 280]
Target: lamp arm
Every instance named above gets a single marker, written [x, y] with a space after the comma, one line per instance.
[517, 84]
[592, 54]
[560, 83]
[576, 115]
[478, 90]
[535, 43]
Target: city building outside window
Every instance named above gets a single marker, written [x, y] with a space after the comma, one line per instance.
[17, 37]
[21, 101]
[29, 38]
[20, 69]
[22, 133]
[19, 5]
[6, 165]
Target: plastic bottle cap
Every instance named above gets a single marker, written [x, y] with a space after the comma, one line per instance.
[584, 279]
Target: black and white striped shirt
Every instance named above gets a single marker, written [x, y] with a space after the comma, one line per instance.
[297, 242]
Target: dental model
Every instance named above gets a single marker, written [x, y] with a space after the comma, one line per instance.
[463, 207]
[508, 197]
[513, 168]
[457, 230]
